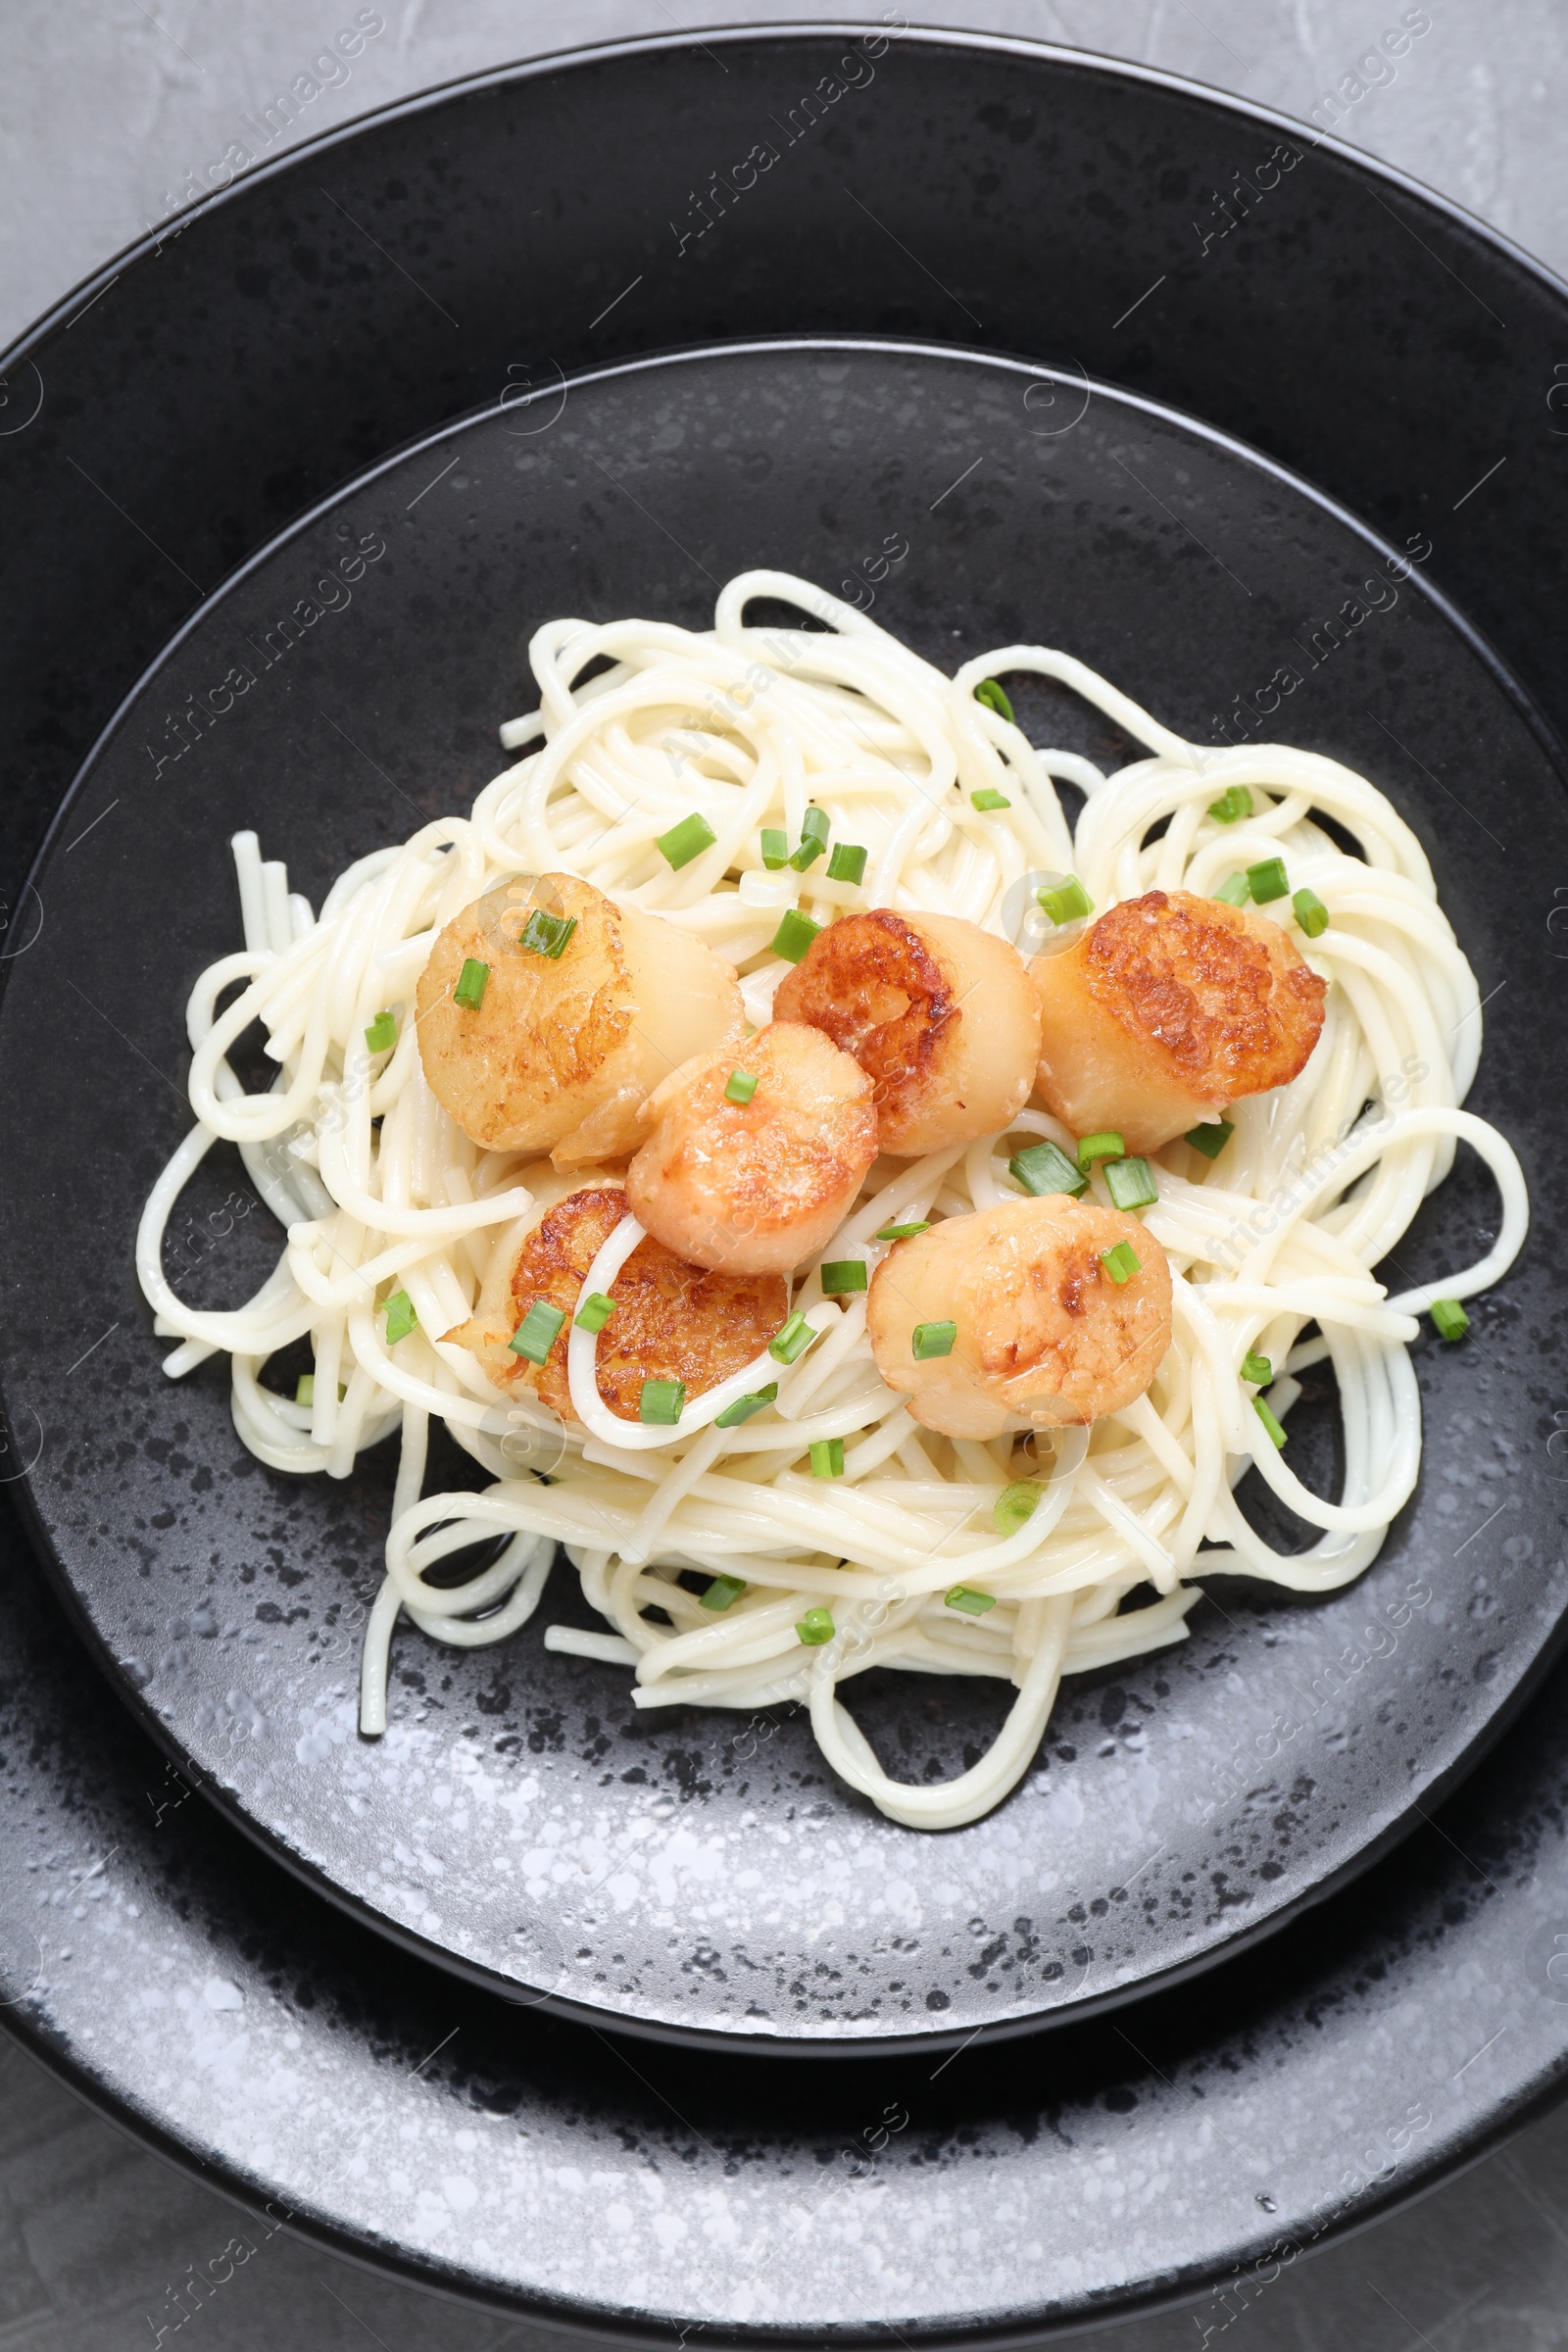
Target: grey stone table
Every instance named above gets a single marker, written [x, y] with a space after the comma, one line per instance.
[112, 113]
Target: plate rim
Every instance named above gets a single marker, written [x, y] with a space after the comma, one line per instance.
[673, 2031]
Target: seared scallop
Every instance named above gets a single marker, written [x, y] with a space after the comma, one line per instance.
[574, 1009]
[1039, 1313]
[755, 1157]
[1167, 1009]
[671, 1321]
[938, 1014]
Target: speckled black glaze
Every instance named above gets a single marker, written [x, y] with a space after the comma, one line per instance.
[1358, 330]
[692, 1870]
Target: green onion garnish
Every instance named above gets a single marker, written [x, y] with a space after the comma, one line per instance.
[1066, 902]
[991, 693]
[847, 862]
[816, 1628]
[382, 1032]
[1211, 1140]
[400, 1317]
[744, 1406]
[1257, 1369]
[1131, 1184]
[661, 1401]
[1269, 1421]
[989, 797]
[1046, 1168]
[1232, 806]
[1107, 1144]
[472, 981]
[1267, 880]
[815, 826]
[827, 1457]
[594, 1312]
[794, 935]
[547, 934]
[1310, 912]
[1014, 1504]
[841, 1274]
[739, 1087]
[971, 1602]
[792, 1339]
[1122, 1262]
[932, 1339]
[305, 1388]
[775, 848]
[904, 1233]
[535, 1334]
[1448, 1318]
[687, 840]
[1235, 890]
[722, 1592]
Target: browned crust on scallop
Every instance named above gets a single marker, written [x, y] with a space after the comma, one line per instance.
[540, 1029]
[671, 1321]
[870, 983]
[1225, 995]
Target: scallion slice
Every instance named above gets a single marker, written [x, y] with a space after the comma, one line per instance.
[661, 1403]
[1257, 1369]
[472, 981]
[1014, 1505]
[722, 1592]
[966, 1598]
[1310, 912]
[816, 1628]
[1235, 890]
[740, 1085]
[989, 797]
[535, 1334]
[775, 848]
[1107, 1144]
[928, 1340]
[815, 826]
[686, 841]
[1066, 902]
[827, 1457]
[1122, 1262]
[744, 1406]
[401, 1318]
[794, 935]
[842, 1274]
[1269, 1423]
[1267, 880]
[991, 693]
[847, 862]
[904, 1233]
[1046, 1168]
[547, 934]
[1448, 1318]
[382, 1033]
[594, 1312]
[1211, 1140]
[1232, 806]
[792, 1339]
[1131, 1184]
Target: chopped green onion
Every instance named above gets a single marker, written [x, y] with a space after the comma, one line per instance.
[1122, 1262]
[1448, 1318]
[991, 693]
[661, 1403]
[815, 826]
[775, 848]
[382, 1032]
[989, 797]
[1046, 1168]
[1013, 1505]
[472, 981]
[1269, 1421]
[305, 1388]
[547, 934]
[827, 1457]
[740, 1085]
[1257, 1369]
[904, 1233]
[535, 1334]
[1211, 1140]
[400, 1317]
[792, 1339]
[722, 1592]
[1107, 1144]
[1235, 890]
[594, 1312]
[744, 1406]
[1267, 880]
[794, 935]
[847, 862]
[687, 840]
[932, 1339]
[1066, 902]
[971, 1602]
[1310, 912]
[841, 1274]
[1131, 1184]
[1232, 806]
[816, 1628]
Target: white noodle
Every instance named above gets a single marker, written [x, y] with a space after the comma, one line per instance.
[1284, 1228]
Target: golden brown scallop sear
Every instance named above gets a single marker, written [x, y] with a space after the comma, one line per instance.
[1167, 1009]
[938, 1014]
[1046, 1337]
[757, 1184]
[671, 1321]
[562, 1048]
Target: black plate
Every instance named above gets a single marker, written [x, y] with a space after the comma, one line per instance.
[697, 1872]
